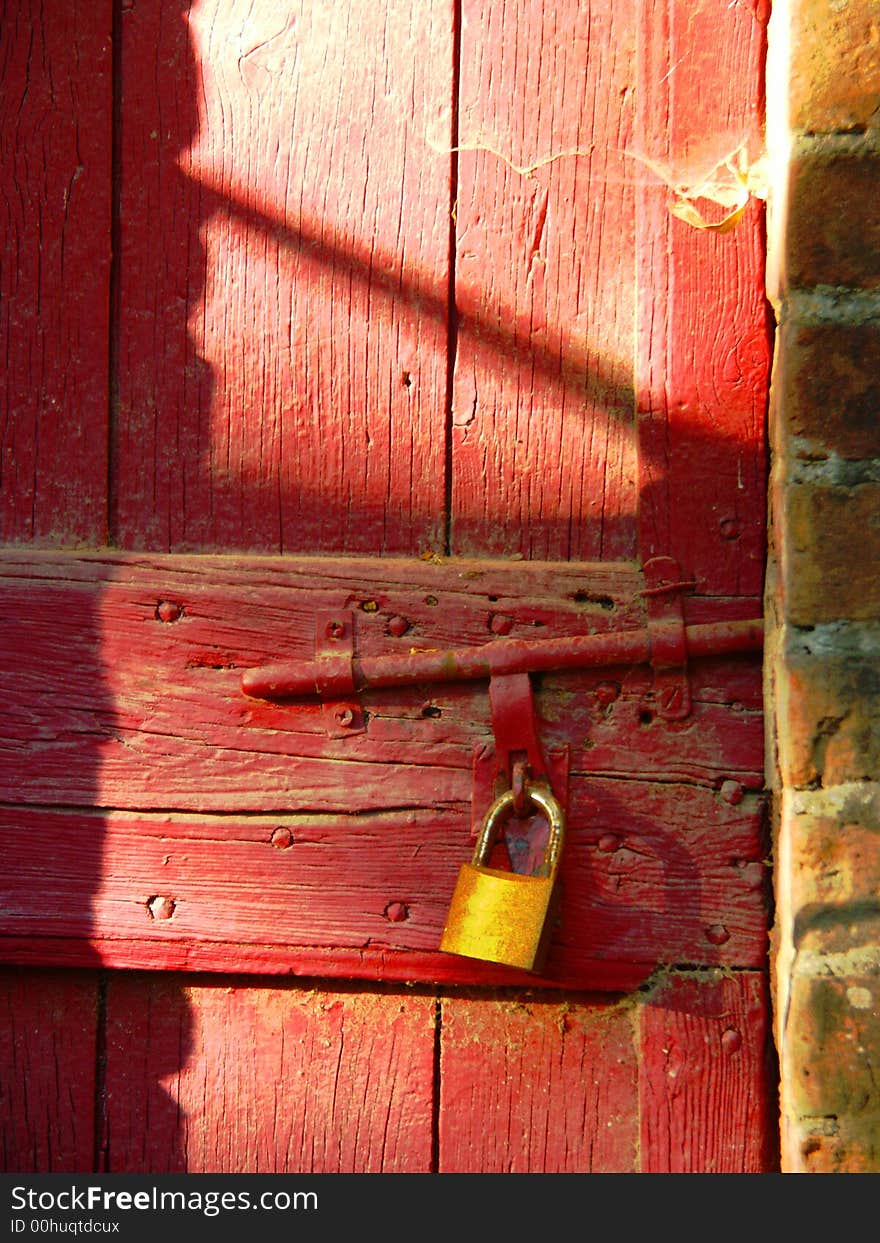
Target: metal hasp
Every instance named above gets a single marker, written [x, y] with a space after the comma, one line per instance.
[507, 916]
[667, 636]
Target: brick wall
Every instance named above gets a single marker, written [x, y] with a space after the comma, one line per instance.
[823, 584]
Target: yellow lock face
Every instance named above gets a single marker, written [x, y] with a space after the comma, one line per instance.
[499, 917]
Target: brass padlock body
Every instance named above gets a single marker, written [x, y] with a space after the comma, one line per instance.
[506, 917]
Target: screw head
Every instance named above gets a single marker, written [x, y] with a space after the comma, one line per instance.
[281, 837]
[731, 792]
[607, 692]
[717, 934]
[335, 630]
[500, 623]
[671, 699]
[397, 626]
[161, 908]
[345, 717]
[168, 611]
[396, 912]
[731, 1040]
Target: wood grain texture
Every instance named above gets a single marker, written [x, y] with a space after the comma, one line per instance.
[219, 1078]
[47, 1071]
[224, 1078]
[675, 1079]
[55, 157]
[703, 325]
[533, 1087]
[707, 1096]
[543, 448]
[651, 874]
[282, 358]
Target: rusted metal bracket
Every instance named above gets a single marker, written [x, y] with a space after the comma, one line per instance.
[667, 636]
[334, 673]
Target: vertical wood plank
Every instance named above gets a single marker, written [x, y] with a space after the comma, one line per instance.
[47, 1071]
[55, 210]
[218, 1078]
[55, 161]
[281, 386]
[703, 335]
[543, 450]
[706, 1087]
[282, 362]
[537, 1087]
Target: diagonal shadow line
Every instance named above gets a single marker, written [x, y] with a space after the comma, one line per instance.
[587, 377]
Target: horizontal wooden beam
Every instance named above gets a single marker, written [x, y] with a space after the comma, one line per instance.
[156, 816]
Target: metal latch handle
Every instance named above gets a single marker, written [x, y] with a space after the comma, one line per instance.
[300, 678]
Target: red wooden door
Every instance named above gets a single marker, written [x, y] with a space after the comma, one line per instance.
[379, 313]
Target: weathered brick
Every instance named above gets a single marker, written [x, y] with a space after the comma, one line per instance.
[833, 226]
[829, 546]
[847, 935]
[831, 1034]
[823, 589]
[831, 552]
[827, 684]
[834, 79]
[834, 851]
[826, 389]
[816, 1146]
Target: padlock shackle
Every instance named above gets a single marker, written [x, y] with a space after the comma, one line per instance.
[542, 797]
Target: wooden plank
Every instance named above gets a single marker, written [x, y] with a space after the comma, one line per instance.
[651, 873]
[47, 1071]
[707, 1088]
[282, 359]
[114, 706]
[55, 211]
[371, 964]
[543, 449]
[675, 1079]
[55, 156]
[225, 1079]
[704, 328]
[534, 1087]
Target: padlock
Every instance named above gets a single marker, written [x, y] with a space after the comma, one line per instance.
[500, 916]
